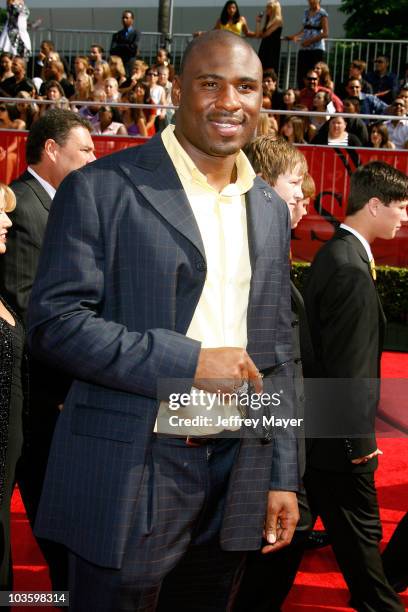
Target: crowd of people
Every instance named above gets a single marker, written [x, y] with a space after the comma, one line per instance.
[121, 75]
[164, 271]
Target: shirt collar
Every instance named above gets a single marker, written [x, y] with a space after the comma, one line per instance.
[47, 186]
[361, 238]
[188, 170]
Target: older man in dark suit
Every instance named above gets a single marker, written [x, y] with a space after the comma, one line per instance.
[58, 143]
[347, 327]
[167, 262]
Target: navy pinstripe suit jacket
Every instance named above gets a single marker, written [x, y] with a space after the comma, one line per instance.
[120, 275]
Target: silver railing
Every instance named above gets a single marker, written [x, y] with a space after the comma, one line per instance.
[340, 51]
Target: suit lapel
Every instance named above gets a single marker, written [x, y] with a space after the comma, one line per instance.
[161, 187]
[38, 189]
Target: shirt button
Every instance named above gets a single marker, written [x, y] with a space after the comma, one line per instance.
[201, 266]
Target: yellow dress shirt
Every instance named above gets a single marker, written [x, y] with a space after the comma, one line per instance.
[220, 318]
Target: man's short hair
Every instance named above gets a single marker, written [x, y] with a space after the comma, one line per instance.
[271, 156]
[99, 47]
[208, 37]
[126, 11]
[270, 73]
[359, 64]
[376, 180]
[56, 124]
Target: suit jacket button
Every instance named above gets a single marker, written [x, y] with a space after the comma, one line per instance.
[201, 266]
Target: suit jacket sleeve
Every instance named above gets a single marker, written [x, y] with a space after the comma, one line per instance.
[285, 470]
[65, 322]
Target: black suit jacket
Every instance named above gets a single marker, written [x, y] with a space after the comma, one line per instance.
[125, 45]
[18, 268]
[347, 327]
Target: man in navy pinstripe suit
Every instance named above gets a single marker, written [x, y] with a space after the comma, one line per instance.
[167, 261]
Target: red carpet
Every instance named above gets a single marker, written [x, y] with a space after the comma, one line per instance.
[319, 585]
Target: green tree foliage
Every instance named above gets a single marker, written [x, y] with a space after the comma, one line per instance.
[381, 19]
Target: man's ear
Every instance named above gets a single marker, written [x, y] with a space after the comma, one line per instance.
[176, 91]
[50, 149]
[373, 204]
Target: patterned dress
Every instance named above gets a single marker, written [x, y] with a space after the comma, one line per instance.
[14, 38]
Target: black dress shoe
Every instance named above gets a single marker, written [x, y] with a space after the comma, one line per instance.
[317, 539]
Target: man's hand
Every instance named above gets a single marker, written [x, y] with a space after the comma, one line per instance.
[281, 520]
[367, 458]
[225, 370]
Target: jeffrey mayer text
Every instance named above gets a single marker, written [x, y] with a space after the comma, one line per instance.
[232, 421]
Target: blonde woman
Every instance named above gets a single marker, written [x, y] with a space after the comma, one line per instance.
[270, 33]
[117, 69]
[11, 399]
[101, 73]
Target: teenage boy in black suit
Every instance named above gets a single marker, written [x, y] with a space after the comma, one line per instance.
[347, 327]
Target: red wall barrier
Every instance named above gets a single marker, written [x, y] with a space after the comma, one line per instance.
[330, 167]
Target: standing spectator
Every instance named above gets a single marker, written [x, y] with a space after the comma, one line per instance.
[270, 34]
[14, 38]
[231, 20]
[311, 37]
[307, 94]
[379, 138]
[398, 128]
[96, 55]
[58, 143]
[347, 327]
[125, 42]
[383, 82]
[11, 399]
